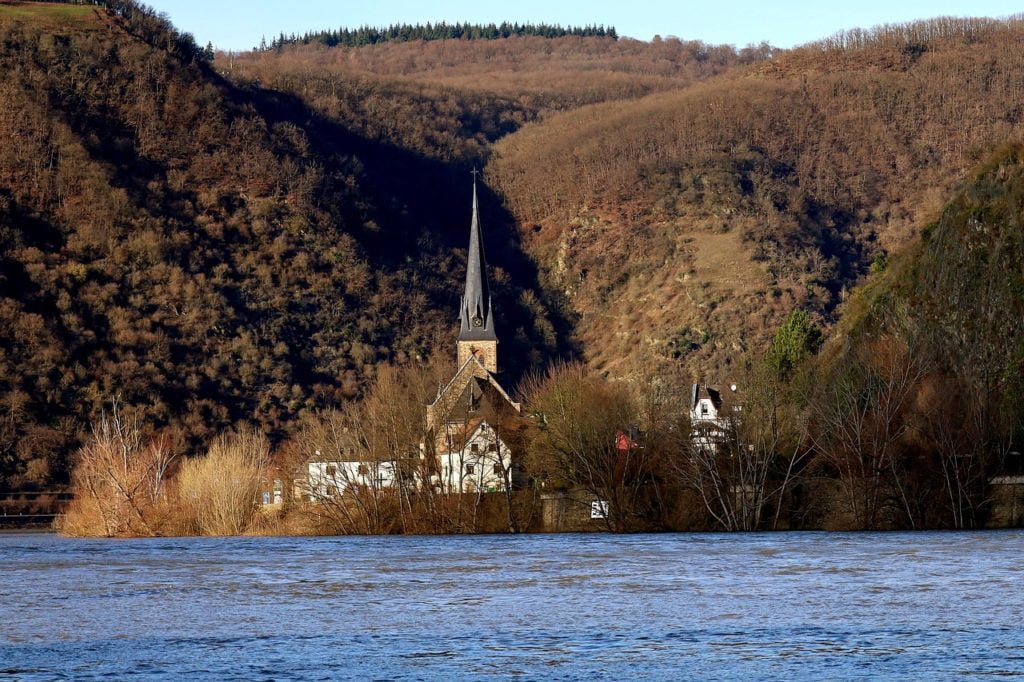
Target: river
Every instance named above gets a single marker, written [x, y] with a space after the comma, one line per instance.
[570, 607]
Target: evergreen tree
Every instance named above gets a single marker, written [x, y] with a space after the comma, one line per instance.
[368, 35]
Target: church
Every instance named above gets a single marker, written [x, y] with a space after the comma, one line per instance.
[467, 420]
[466, 448]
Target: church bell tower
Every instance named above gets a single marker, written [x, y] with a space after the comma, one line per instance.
[476, 316]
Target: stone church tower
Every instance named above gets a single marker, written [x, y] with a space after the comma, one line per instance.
[476, 316]
[477, 345]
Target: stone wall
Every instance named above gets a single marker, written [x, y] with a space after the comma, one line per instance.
[1007, 502]
[569, 512]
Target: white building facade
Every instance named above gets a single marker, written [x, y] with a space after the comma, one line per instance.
[710, 417]
[477, 462]
[330, 479]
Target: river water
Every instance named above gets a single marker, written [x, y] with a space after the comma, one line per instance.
[571, 607]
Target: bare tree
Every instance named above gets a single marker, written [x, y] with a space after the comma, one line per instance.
[861, 421]
[378, 469]
[118, 479]
[348, 485]
[588, 436]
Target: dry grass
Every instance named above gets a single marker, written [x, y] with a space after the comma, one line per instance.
[219, 492]
[46, 15]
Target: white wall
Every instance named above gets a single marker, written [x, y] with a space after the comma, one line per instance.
[485, 469]
[331, 478]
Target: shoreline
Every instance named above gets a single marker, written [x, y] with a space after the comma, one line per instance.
[788, 531]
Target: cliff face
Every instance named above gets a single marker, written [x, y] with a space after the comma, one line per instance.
[683, 227]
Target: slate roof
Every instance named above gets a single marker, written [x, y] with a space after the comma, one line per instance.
[698, 391]
[476, 317]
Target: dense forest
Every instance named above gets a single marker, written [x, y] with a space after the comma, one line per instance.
[370, 35]
[208, 253]
[239, 241]
[775, 186]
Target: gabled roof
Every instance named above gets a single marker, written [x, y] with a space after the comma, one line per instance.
[472, 370]
[701, 391]
[475, 368]
[464, 434]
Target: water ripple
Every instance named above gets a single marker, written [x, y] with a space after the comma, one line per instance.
[570, 607]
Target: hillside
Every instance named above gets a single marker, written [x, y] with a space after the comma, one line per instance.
[682, 227]
[207, 253]
[918, 400]
[452, 98]
[958, 291]
[247, 239]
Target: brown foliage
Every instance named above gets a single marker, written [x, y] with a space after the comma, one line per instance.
[119, 481]
[214, 254]
[218, 493]
[811, 163]
[588, 435]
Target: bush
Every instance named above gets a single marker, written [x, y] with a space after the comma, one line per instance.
[219, 492]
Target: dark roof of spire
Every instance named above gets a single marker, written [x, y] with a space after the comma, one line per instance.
[476, 318]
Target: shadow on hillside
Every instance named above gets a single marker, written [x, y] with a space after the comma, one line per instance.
[424, 212]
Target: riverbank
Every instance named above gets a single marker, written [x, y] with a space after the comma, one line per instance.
[571, 511]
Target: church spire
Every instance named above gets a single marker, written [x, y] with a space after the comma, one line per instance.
[476, 318]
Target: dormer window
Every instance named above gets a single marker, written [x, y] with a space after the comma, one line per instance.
[703, 409]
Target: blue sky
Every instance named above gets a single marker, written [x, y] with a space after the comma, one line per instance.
[239, 24]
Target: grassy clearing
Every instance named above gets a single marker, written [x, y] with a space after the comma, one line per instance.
[47, 14]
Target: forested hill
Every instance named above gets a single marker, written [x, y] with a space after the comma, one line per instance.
[208, 253]
[685, 225]
[956, 297]
[247, 239]
[370, 35]
[930, 349]
[445, 97]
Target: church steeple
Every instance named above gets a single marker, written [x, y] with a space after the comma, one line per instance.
[476, 316]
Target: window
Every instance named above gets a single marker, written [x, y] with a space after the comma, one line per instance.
[332, 470]
[703, 408]
[497, 468]
[492, 447]
[469, 468]
[363, 470]
[475, 447]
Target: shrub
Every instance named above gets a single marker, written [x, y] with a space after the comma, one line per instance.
[219, 492]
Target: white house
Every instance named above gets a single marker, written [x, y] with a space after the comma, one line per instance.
[473, 458]
[709, 416]
[330, 478]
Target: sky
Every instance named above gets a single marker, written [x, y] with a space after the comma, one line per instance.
[239, 24]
